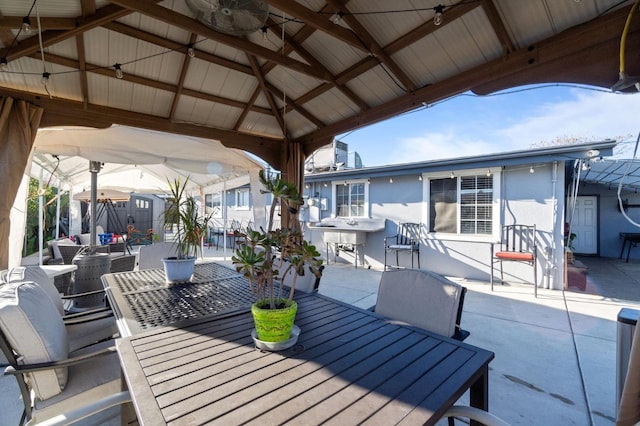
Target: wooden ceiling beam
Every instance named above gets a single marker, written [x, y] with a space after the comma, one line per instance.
[373, 47]
[272, 103]
[545, 60]
[82, 65]
[172, 45]
[156, 84]
[32, 45]
[149, 8]
[60, 112]
[319, 22]
[181, 78]
[15, 22]
[498, 26]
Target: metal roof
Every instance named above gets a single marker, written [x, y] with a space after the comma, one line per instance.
[529, 157]
[305, 79]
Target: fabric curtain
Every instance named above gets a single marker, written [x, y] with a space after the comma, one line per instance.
[293, 171]
[19, 122]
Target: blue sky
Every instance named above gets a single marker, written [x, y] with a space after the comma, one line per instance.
[515, 119]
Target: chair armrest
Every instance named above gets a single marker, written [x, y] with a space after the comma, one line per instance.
[473, 413]
[78, 295]
[43, 366]
[80, 413]
[87, 316]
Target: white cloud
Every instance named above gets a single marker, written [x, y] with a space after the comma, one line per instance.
[432, 145]
[592, 116]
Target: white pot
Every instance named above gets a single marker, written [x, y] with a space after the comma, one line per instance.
[305, 283]
[178, 270]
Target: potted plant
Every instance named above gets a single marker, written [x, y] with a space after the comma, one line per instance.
[182, 215]
[267, 256]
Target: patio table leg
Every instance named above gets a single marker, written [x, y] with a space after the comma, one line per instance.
[479, 393]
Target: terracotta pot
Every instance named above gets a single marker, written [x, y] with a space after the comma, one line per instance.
[273, 325]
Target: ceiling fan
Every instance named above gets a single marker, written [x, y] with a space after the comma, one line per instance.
[235, 17]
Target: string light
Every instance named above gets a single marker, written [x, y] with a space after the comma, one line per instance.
[45, 78]
[420, 178]
[531, 170]
[4, 67]
[488, 172]
[336, 17]
[437, 18]
[26, 25]
[265, 37]
[453, 175]
[390, 180]
[119, 73]
[191, 51]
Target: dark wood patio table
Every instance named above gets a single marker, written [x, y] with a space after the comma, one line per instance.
[349, 366]
[142, 300]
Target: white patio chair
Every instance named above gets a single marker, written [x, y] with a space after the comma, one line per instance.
[473, 413]
[150, 257]
[55, 384]
[423, 299]
[84, 328]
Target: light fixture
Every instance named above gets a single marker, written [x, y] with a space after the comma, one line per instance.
[420, 178]
[585, 166]
[306, 186]
[390, 180]
[488, 172]
[26, 25]
[191, 51]
[264, 34]
[531, 170]
[45, 78]
[119, 73]
[325, 184]
[336, 17]
[4, 66]
[453, 175]
[437, 18]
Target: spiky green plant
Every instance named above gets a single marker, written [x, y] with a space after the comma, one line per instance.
[182, 215]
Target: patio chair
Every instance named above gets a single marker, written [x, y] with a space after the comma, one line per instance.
[472, 413]
[407, 239]
[84, 328]
[55, 384]
[423, 299]
[123, 263]
[517, 244]
[150, 257]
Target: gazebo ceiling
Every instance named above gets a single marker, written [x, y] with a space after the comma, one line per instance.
[301, 78]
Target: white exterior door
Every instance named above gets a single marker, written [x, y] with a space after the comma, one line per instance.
[585, 225]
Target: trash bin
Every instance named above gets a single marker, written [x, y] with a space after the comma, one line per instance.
[627, 319]
[91, 266]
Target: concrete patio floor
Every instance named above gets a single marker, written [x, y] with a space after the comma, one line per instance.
[555, 355]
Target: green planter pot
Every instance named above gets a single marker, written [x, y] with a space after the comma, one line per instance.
[274, 325]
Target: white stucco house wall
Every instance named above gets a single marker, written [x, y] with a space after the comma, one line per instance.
[524, 187]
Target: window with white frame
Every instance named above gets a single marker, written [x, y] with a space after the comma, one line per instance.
[242, 199]
[214, 204]
[351, 199]
[461, 204]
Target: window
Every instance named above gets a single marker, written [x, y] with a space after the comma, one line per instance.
[213, 204]
[352, 199]
[461, 205]
[242, 199]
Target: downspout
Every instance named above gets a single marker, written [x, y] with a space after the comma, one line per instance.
[551, 265]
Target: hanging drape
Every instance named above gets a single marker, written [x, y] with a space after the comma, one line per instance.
[293, 172]
[19, 123]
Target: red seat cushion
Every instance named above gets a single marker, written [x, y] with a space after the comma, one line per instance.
[515, 255]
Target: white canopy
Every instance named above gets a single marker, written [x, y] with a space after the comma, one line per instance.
[136, 160]
[133, 161]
